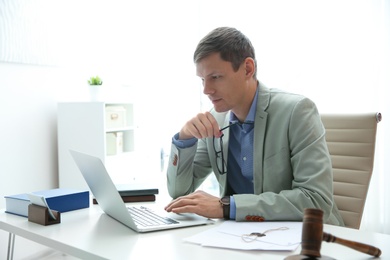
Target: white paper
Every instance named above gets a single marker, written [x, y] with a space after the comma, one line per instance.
[40, 201]
[229, 235]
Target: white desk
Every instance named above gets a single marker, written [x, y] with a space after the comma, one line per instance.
[89, 234]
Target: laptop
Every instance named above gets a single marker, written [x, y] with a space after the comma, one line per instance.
[107, 195]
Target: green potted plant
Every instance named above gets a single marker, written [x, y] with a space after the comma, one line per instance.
[93, 81]
[94, 88]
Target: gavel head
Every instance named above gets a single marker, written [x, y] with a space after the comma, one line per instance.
[312, 232]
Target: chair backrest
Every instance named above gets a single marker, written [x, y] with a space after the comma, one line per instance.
[351, 142]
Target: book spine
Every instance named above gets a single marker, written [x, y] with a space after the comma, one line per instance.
[137, 192]
[141, 198]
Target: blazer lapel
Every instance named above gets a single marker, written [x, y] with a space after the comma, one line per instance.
[259, 135]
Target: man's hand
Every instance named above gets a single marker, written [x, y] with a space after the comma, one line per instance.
[201, 126]
[199, 202]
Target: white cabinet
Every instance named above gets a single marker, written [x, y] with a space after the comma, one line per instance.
[105, 130]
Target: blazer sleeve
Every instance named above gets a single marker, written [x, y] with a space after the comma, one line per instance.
[185, 174]
[189, 167]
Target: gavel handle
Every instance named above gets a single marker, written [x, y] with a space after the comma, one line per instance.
[367, 249]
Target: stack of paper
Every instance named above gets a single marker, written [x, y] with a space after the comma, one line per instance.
[229, 235]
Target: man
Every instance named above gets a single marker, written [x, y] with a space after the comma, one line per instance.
[266, 147]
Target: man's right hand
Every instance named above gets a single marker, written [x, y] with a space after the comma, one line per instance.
[198, 202]
[201, 126]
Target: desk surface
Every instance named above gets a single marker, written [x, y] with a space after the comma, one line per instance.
[91, 234]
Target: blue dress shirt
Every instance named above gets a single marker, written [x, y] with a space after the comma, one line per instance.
[240, 156]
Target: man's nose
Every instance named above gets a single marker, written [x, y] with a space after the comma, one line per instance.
[207, 88]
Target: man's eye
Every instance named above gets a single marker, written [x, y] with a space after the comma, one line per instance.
[216, 77]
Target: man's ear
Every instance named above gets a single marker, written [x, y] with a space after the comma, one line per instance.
[249, 67]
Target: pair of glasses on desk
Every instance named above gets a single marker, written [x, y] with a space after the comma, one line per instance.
[254, 235]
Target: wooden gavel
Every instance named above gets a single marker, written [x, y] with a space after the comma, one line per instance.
[313, 235]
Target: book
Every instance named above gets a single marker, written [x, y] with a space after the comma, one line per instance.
[61, 200]
[135, 192]
[138, 198]
[136, 189]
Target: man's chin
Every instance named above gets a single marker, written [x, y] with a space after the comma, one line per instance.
[220, 109]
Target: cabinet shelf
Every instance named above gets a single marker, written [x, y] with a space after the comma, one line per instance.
[120, 129]
[90, 127]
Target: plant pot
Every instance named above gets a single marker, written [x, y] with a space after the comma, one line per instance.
[95, 92]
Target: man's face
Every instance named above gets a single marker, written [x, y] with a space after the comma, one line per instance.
[224, 87]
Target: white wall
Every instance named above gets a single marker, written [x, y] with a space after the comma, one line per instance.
[28, 140]
[128, 47]
[28, 149]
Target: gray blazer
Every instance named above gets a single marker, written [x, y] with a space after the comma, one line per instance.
[291, 162]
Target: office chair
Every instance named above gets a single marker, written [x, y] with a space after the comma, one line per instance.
[351, 142]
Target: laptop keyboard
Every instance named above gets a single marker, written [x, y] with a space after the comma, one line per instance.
[144, 216]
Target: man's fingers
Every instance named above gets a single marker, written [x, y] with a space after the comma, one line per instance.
[214, 125]
[179, 203]
[201, 126]
[185, 209]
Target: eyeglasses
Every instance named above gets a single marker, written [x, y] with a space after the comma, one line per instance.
[254, 235]
[220, 160]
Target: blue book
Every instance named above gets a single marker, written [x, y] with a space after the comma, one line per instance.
[61, 200]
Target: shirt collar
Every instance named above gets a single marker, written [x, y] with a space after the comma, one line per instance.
[250, 118]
